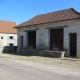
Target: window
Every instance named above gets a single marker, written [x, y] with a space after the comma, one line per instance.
[10, 44]
[1, 37]
[11, 37]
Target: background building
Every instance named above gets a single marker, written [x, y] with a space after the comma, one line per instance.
[8, 34]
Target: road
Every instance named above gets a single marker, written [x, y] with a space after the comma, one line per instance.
[11, 69]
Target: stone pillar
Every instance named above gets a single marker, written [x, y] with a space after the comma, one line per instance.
[78, 45]
[25, 40]
[37, 39]
[46, 34]
[66, 41]
[47, 39]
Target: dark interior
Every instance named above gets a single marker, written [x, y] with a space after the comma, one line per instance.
[32, 39]
[10, 44]
[56, 38]
[73, 44]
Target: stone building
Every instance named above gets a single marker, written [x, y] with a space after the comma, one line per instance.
[56, 30]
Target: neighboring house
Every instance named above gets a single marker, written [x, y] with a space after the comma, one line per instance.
[8, 34]
[60, 30]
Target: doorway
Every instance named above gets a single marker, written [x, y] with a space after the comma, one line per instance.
[32, 39]
[56, 38]
[73, 44]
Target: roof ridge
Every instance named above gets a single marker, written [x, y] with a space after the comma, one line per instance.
[56, 11]
[48, 13]
[75, 11]
[70, 13]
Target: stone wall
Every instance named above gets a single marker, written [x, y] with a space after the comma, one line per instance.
[73, 27]
[8, 49]
[46, 53]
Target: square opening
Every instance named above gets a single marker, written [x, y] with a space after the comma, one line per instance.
[56, 39]
[1, 37]
[11, 37]
[10, 44]
[32, 39]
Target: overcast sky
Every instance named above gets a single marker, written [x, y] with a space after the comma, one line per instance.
[22, 10]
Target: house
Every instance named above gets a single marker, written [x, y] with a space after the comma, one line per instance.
[8, 34]
[58, 30]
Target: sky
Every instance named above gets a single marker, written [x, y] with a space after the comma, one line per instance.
[23, 10]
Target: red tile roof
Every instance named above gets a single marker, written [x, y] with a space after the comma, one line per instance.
[62, 15]
[7, 27]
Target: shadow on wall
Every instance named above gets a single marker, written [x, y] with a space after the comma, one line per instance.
[9, 49]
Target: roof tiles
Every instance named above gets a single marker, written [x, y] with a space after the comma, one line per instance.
[7, 27]
[62, 15]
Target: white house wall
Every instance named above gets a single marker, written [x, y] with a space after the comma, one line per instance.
[5, 40]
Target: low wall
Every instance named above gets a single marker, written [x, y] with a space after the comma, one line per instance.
[9, 49]
[47, 53]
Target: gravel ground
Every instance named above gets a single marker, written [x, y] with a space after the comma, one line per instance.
[15, 69]
[65, 62]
